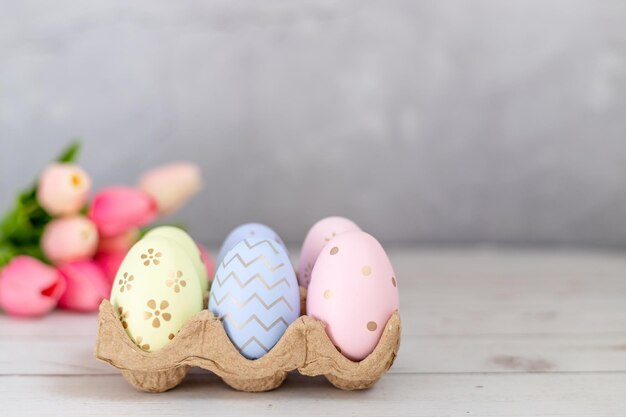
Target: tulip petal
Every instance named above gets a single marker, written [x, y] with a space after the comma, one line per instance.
[29, 288]
[172, 185]
[69, 239]
[117, 210]
[87, 286]
[63, 189]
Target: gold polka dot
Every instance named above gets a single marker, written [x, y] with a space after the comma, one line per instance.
[371, 326]
[393, 281]
[334, 250]
[366, 270]
[328, 294]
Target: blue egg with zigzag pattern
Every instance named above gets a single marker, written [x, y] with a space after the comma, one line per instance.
[245, 231]
[255, 293]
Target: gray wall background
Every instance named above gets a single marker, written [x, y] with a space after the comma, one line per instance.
[425, 121]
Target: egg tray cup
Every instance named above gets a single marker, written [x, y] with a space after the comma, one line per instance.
[203, 343]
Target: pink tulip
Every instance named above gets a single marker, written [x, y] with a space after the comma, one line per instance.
[69, 239]
[208, 261]
[29, 287]
[119, 243]
[86, 286]
[172, 185]
[110, 262]
[116, 210]
[63, 189]
[113, 250]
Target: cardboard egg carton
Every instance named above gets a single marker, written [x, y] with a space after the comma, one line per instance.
[203, 343]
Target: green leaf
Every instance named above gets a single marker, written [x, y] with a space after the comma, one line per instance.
[33, 250]
[70, 153]
[7, 252]
[15, 224]
[24, 224]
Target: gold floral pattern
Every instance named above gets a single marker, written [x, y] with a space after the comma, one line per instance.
[156, 314]
[125, 282]
[122, 315]
[151, 257]
[176, 281]
[142, 346]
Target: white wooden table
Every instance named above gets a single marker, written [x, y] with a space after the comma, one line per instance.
[506, 333]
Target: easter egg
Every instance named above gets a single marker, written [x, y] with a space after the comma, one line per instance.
[255, 293]
[189, 246]
[244, 231]
[156, 291]
[354, 290]
[321, 232]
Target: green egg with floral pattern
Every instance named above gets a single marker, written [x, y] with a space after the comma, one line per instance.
[156, 291]
[189, 245]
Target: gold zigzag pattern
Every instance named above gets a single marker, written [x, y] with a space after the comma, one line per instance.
[247, 264]
[252, 297]
[260, 243]
[258, 342]
[255, 318]
[252, 278]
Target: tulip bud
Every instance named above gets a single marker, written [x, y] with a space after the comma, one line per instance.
[69, 239]
[172, 185]
[29, 288]
[116, 210]
[86, 286]
[63, 189]
[119, 243]
[112, 251]
[110, 262]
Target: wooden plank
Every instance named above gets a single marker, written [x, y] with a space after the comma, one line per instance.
[528, 395]
[496, 261]
[511, 292]
[428, 313]
[57, 324]
[432, 354]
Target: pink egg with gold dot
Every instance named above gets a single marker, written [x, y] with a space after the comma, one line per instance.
[354, 290]
[319, 235]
